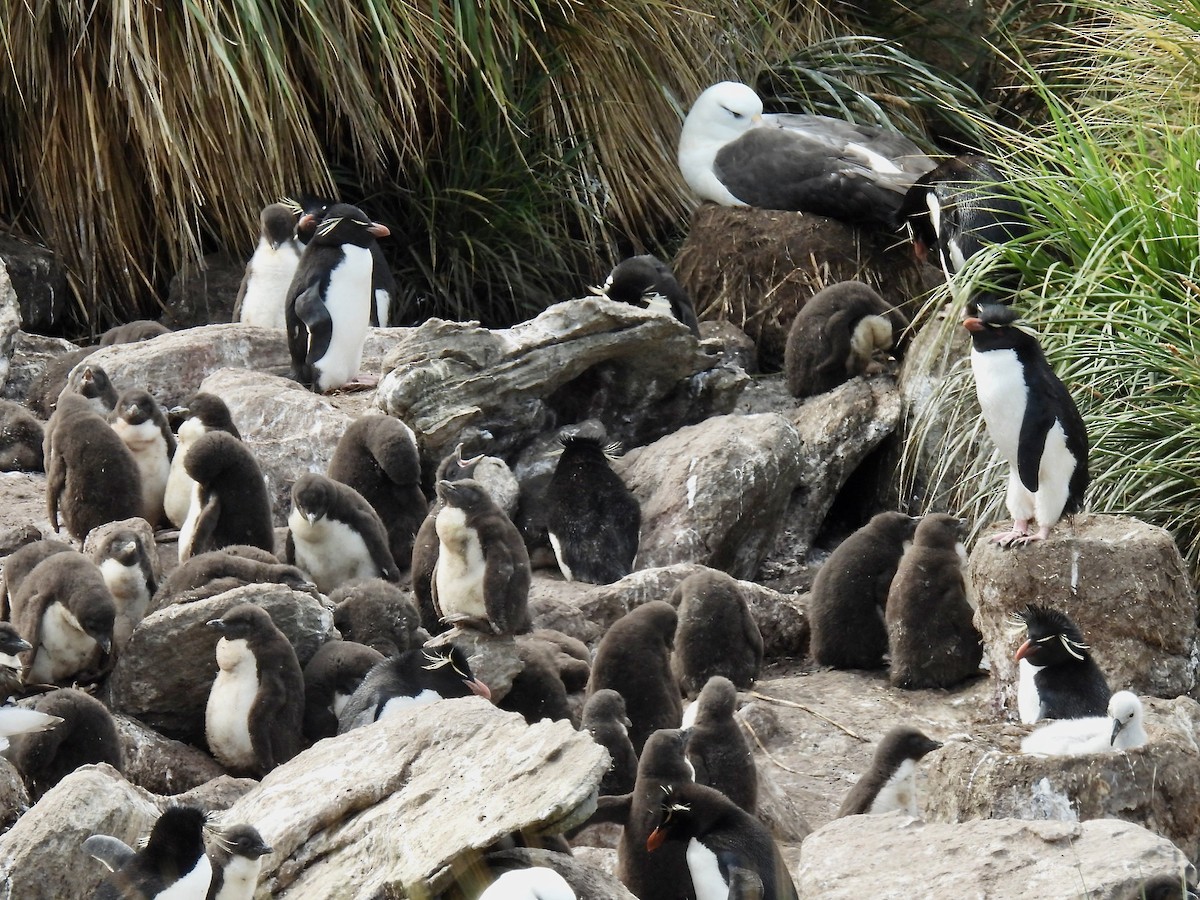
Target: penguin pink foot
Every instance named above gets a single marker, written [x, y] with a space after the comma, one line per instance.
[1019, 533]
[359, 382]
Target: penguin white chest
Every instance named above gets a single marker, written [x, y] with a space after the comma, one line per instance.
[227, 716]
[187, 531]
[401, 703]
[271, 274]
[1003, 395]
[178, 494]
[707, 880]
[1029, 701]
[193, 885]
[331, 552]
[240, 878]
[899, 792]
[66, 649]
[460, 568]
[348, 301]
[130, 593]
[145, 441]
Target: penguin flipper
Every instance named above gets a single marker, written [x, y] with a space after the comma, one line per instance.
[616, 808]
[289, 549]
[206, 525]
[269, 735]
[374, 536]
[56, 483]
[109, 851]
[1032, 443]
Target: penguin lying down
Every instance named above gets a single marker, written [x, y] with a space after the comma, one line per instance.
[1121, 729]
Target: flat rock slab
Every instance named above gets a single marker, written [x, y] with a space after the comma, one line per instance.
[893, 856]
[1122, 581]
[445, 780]
[1154, 786]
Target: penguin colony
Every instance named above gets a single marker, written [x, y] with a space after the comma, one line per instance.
[397, 564]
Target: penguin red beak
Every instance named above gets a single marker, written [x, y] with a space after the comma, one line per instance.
[479, 689]
[307, 220]
[973, 324]
[1023, 650]
[379, 230]
[657, 838]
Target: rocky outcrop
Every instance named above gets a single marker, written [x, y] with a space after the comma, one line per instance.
[159, 764]
[988, 778]
[31, 354]
[641, 373]
[36, 285]
[10, 322]
[1124, 584]
[289, 430]
[1002, 859]
[413, 794]
[166, 671]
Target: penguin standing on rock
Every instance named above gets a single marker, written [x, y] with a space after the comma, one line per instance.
[720, 837]
[717, 748]
[845, 609]
[646, 282]
[263, 292]
[932, 638]
[1057, 677]
[255, 712]
[87, 735]
[1033, 422]
[890, 783]
[605, 720]
[229, 502]
[634, 659]
[482, 575]
[236, 860]
[716, 634]
[200, 414]
[328, 305]
[377, 456]
[142, 426]
[91, 477]
[835, 336]
[173, 862]
[593, 519]
[334, 535]
[126, 565]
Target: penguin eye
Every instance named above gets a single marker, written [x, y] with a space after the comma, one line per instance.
[363, 224]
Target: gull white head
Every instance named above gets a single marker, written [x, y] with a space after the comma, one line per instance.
[1125, 711]
[722, 113]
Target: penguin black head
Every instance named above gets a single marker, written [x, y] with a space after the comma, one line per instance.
[664, 756]
[278, 223]
[606, 705]
[177, 835]
[992, 327]
[135, 406]
[98, 617]
[464, 493]
[635, 279]
[346, 224]
[209, 409]
[308, 209]
[241, 840]
[446, 671]
[94, 384]
[312, 495]
[1052, 638]
[672, 816]
[242, 622]
[903, 743]
[717, 700]
[11, 643]
[939, 530]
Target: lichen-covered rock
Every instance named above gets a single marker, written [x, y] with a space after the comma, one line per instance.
[1124, 584]
[1155, 785]
[385, 810]
[1000, 859]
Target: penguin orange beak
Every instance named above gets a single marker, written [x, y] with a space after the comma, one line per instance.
[479, 689]
[306, 220]
[657, 838]
[1023, 650]
[379, 230]
[973, 324]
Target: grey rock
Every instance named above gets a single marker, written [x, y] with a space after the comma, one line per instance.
[1122, 581]
[494, 658]
[588, 881]
[289, 430]
[988, 778]
[714, 493]
[640, 373]
[10, 321]
[164, 676]
[37, 281]
[173, 366]
[204, 293]
[1001, 859]
[442, 781]
[31, 354]
[161, 765]
[14, 799]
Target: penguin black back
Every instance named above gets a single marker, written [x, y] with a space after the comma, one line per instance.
[173, 852]
[717, 748]
[330, 679]
[234, 507]
[537, 691]
[845, 609]
[377, 456]
[887, 784]
[217, 571]
[21, 439]
[593, 519]
[634, 659]
[1066, 682]
[646, 282]
[720, 837]
[377, 613]
[86, 735]
[931, 634]
[605, 720]
[716, 634]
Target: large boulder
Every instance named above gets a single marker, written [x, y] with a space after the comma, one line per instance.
[1123, 582]
[173, 366]
[641, 373]
[1001, 859]
[32, 353]
[290, 430]
[388, 809]
[159, 764]
[989, 778]
[204, 292]
[714, 493]
[164, 676]
[36, 279]
[10, 322]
